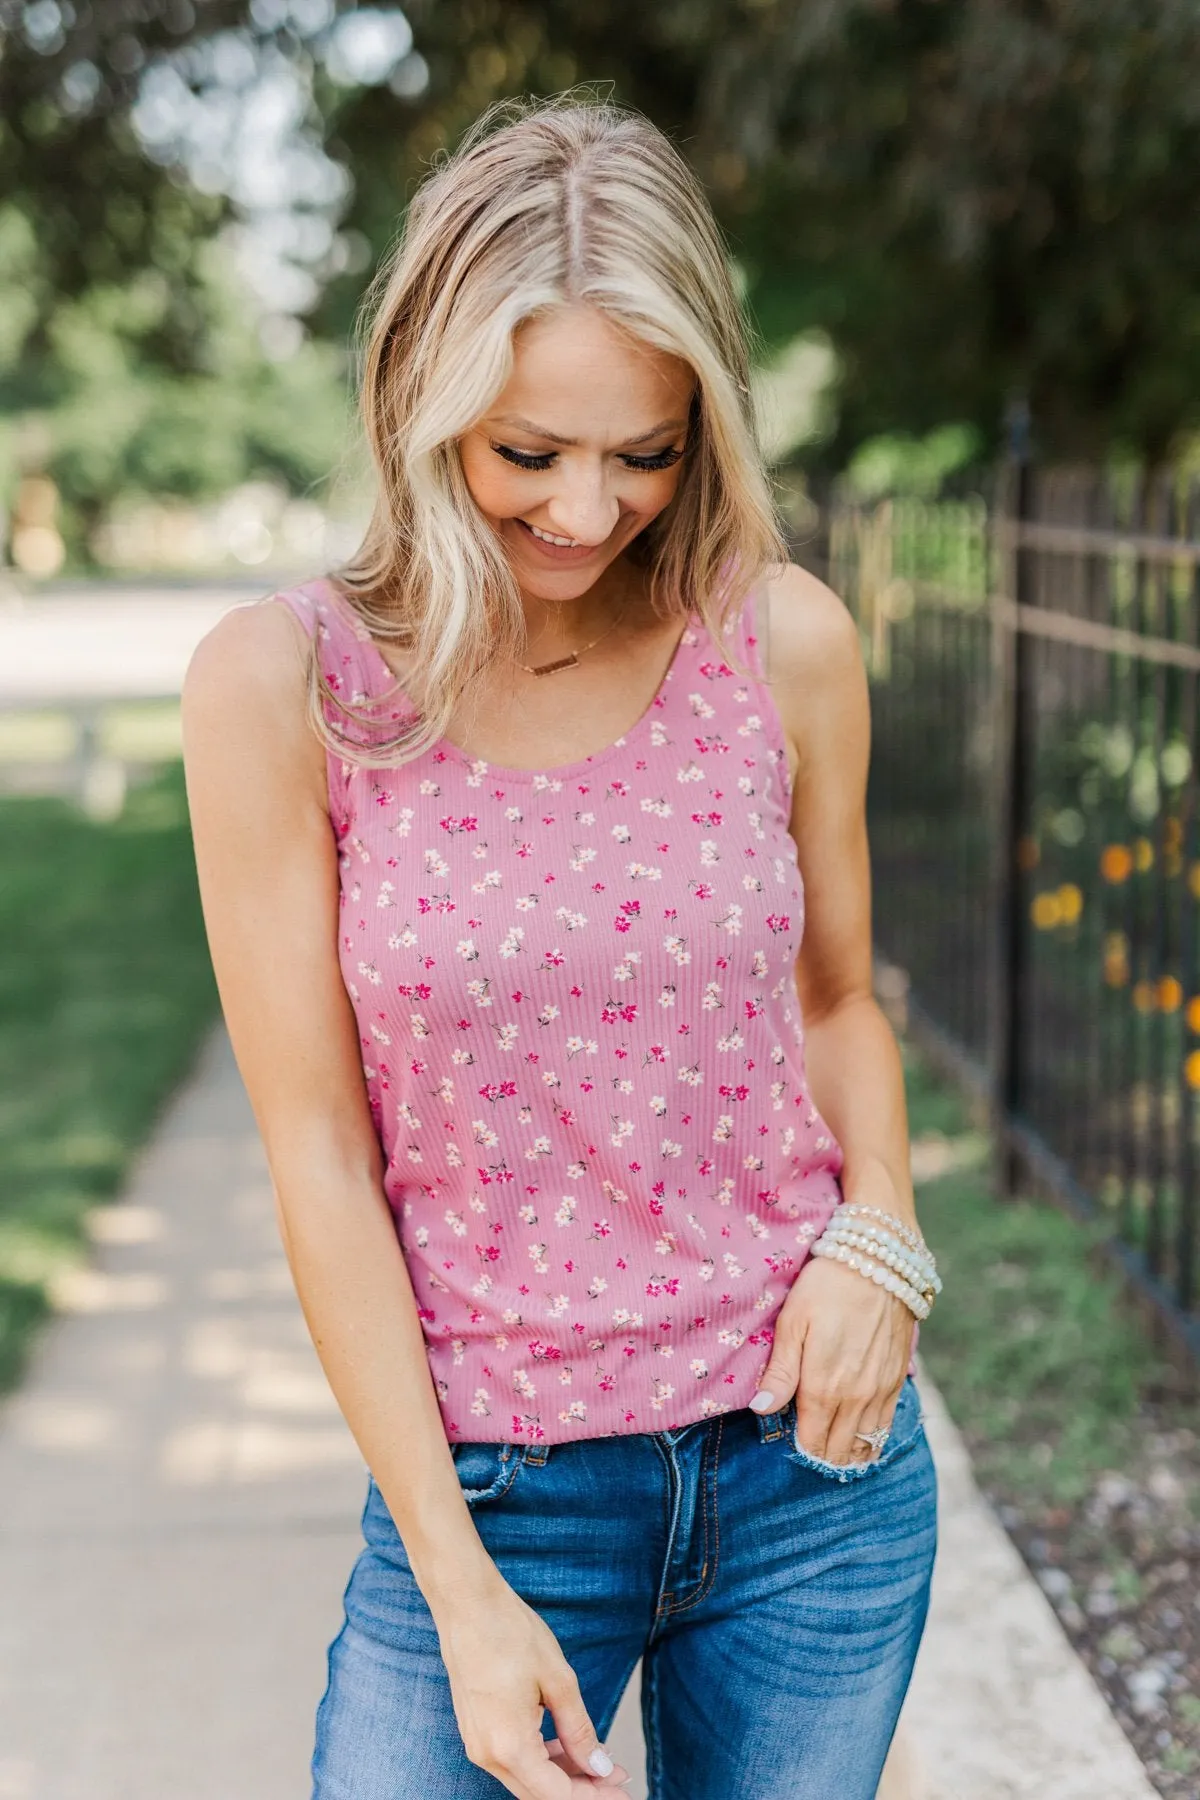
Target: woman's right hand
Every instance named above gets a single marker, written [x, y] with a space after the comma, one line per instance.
[505, 1665]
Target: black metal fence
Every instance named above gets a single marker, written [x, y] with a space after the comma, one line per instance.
[1034, 652]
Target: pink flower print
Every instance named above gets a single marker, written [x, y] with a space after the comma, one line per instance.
[706, 818]
[778, 922]
[628, 912]
[541, 1352]
[498, 1090]
[454, 825]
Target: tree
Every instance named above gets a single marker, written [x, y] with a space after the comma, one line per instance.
[974, 198]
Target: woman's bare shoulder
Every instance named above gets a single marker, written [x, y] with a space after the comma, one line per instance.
[811, 634]
[245, 691]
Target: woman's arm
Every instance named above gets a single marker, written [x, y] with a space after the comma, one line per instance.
[852, 1338]
[267, 862]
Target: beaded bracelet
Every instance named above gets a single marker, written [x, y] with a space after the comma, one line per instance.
[920, 1268]
[916, 1303]
[891, 1253]
[897, 1259]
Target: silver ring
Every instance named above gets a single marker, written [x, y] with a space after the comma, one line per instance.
[877, 1438]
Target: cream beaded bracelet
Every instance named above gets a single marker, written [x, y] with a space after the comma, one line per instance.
[857, 1218]
[898, 1259]
[920, 1269]
[918, 1275]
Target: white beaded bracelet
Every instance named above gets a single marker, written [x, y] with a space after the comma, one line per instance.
[884, 1278]
[897, 1258]
[858, 1218]
[920, 1271]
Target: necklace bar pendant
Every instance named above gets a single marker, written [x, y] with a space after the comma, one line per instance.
[564, 662]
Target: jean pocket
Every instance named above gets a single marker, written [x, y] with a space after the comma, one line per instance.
[907, 1430]
[485, 1471]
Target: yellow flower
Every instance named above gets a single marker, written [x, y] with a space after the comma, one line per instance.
[1170, 994]
[1116, 863]
[1144, 996]
[1070, 903]
[1116, 959]
[1046, 912]
[1143, 854]
[1192, 1015]
[1191, 1069]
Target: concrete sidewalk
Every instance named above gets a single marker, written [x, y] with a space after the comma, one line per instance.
[180, 1513]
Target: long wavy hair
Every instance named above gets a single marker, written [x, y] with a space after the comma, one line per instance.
[566, 202]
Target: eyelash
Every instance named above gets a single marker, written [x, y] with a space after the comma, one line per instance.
[645, 465]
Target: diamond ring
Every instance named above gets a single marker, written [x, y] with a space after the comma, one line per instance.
[877, 1438]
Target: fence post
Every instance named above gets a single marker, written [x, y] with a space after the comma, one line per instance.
[1012, 793]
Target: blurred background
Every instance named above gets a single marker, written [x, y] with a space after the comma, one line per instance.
[966, 235]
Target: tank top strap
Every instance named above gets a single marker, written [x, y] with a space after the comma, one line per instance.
[731, 674]
[363, 703]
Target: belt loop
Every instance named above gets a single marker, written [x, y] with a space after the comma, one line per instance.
[771, 1425]
[536, 1454]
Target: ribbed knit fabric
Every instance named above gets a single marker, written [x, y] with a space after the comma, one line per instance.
[582, 1042]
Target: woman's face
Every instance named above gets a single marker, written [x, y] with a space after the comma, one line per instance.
[581, 450]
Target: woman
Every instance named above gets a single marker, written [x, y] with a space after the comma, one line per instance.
[500, 838]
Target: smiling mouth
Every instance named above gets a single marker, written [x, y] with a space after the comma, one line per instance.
[547, 537]
[554, 549]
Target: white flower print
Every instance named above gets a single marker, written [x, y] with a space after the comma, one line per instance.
[371, 973]
[698, 1367]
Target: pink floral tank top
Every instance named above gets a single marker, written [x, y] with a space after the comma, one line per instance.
[583, 1048]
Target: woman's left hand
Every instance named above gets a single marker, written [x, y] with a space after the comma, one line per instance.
[842, 1347]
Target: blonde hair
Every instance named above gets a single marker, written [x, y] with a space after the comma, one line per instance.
[567, 202]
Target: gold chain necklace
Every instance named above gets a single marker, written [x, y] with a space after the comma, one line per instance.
[572, 660]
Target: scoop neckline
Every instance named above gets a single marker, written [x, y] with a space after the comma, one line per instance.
[443, 746]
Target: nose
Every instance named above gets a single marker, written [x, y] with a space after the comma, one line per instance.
[582, 506]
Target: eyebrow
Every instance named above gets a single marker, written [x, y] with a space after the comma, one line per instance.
[552, 437]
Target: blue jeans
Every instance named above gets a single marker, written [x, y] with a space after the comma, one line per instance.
[777, 1603]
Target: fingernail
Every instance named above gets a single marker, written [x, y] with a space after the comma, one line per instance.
[600, 1762]
[763, 1401]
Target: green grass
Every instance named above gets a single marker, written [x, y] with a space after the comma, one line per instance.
[105, 991]
[1040, 1360]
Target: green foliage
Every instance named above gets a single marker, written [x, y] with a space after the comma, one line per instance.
[105, 989]
[1026, 1319]
[83, 396]
[970, 201]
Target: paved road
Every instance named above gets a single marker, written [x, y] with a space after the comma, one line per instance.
[108, 641]
[180, 1513]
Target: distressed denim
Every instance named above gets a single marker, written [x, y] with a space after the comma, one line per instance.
[776, 1601]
